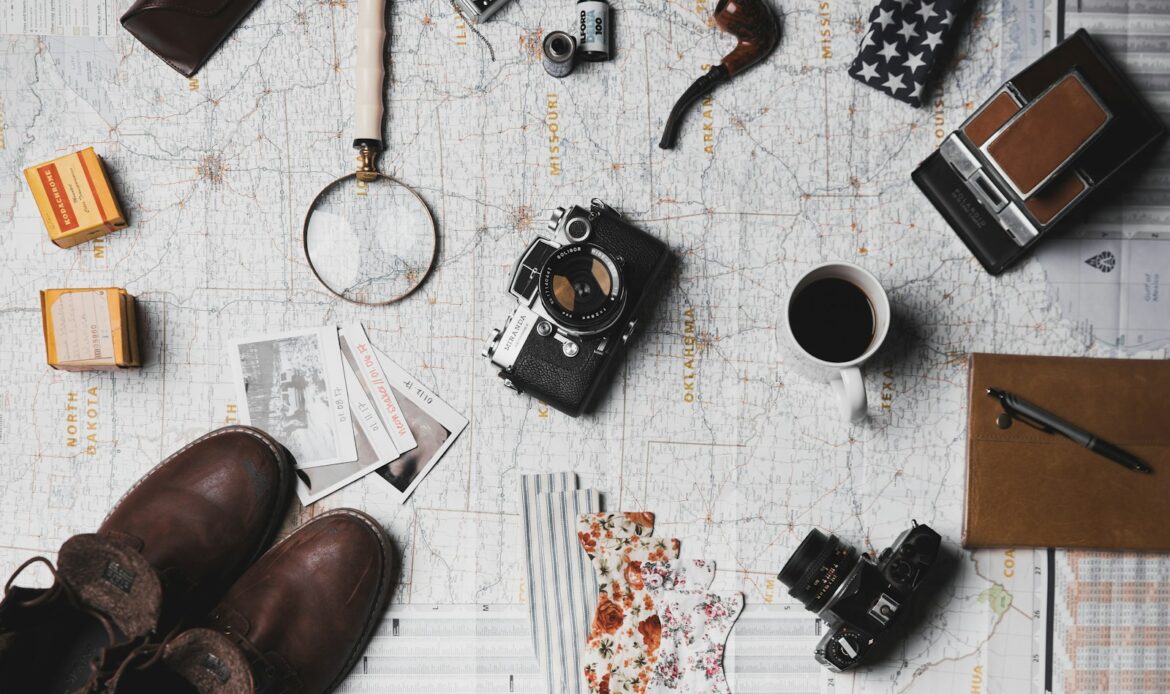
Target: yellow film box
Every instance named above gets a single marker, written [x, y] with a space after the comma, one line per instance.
[90, 329]
[74, 196]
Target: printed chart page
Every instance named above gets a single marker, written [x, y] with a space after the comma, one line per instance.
[60, 17]
[1111, 623]
[1110, 274]
[1111, 612]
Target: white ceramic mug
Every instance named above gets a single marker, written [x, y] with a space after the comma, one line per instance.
[844, 377]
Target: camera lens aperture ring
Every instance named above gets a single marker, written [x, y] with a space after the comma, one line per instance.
[817, 569]
[581, 287]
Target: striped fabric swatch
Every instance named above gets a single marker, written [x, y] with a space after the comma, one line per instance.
[562, 583]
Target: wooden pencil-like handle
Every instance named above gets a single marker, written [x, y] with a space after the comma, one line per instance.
[370, 73]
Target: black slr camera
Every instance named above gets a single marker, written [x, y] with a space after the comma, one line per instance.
[856, 597]
[580, 302]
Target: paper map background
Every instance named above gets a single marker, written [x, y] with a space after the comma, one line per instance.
[792, 164]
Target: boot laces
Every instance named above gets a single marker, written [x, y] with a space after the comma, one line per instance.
[271, 679]
[150, 653]
[61, 589]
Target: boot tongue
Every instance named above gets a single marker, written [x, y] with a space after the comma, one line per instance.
[114, 579]
[209, 661]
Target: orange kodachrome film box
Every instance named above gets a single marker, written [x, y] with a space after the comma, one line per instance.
[74, 196]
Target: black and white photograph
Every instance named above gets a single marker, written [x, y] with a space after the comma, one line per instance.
[292, 385]
[434, 423]
[374, 449]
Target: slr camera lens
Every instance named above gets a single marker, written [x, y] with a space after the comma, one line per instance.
[817, 568]
[582, 288]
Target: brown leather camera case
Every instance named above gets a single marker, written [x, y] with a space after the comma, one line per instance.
[185, 33]
[1026, 488]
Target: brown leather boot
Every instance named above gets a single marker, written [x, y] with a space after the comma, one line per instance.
[164, 555]
[203, 515]
[300, 618]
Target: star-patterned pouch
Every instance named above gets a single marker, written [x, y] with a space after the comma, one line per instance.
[906, 42]
[623, 642]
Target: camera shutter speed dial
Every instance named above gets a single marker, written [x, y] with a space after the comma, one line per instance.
[847, 646]
[844, 649]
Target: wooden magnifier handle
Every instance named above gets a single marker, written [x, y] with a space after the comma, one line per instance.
[370, 73]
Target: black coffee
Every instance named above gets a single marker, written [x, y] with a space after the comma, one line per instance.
[832, 320]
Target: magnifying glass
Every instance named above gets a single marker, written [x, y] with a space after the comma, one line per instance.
[368, 237]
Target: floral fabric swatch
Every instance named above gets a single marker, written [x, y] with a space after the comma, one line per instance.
[695, 575]
[695, 626]
[624, 638]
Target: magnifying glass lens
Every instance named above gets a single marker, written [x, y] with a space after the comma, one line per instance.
[370, 242]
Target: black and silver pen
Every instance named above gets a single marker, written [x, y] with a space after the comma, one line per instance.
[1017, 406]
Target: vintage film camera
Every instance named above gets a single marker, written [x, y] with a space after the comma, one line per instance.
[580, 302]
[856, 597]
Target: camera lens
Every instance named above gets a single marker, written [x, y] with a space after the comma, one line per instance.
[581, 288]
[817, 568]
[581, 285]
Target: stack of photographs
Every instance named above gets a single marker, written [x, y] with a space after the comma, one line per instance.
[342, 408]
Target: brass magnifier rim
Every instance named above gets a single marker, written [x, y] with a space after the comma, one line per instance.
[367, 176]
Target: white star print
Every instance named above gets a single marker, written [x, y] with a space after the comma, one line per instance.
[949, 19]
[926, 11]
[904, 3]
[885, 18]
[914, 61]
[917, 91]
[893, 83]
[889, 50]
[909, 30]
[868, 40]
[868, 71]
[933, 39]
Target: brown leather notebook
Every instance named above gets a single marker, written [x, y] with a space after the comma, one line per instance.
[1027, 488]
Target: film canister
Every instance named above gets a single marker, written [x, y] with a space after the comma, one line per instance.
[558, 51]
[593, 32]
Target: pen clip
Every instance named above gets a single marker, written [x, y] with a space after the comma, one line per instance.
[1016, 414]
[1013, 413]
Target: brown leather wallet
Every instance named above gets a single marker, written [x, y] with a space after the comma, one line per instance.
[1028, 488]
[184, 33]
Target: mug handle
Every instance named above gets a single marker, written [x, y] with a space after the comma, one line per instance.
[850, 391]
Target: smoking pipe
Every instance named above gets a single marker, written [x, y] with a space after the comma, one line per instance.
[752, 23]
